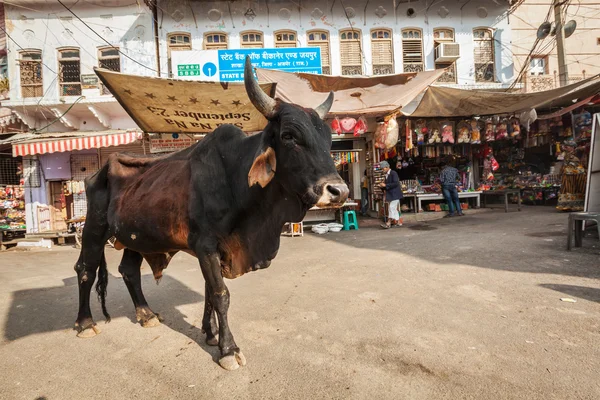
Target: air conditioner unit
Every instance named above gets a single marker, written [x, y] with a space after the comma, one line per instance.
[447, 52]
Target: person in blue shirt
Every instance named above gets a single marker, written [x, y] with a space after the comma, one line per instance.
[393, 194]
[448, 178]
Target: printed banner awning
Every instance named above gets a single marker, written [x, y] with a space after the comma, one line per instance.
[159, 105]
[42, 143]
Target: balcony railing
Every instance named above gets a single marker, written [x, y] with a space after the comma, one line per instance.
[538, 83]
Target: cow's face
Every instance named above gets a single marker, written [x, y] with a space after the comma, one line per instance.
[296, 146]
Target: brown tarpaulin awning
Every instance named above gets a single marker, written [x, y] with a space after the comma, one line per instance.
[448, 102]
[168, 105]
[376, 95]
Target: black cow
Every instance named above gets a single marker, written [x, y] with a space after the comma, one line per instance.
[224, 200]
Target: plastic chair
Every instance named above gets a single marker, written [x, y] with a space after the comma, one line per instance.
[350, 220]
[576, 225]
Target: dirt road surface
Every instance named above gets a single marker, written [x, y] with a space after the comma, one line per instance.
[457, 308]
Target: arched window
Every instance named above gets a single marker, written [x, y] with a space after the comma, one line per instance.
[109, 58]
[382, 51]
[215, 41]
[177, 41]
[30, 67]
[251, 39]
[412, 50]
[69, 72]
[483, 48]
[321, 39]
[286, 39]
[351, 52]
[441, 37]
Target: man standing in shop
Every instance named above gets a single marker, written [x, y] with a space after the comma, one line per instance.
[449, 177]
[393, 194]
[364, 194]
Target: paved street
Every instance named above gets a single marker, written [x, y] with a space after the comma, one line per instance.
[455, 308]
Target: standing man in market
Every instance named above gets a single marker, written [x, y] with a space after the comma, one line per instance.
[393, 194]
[364, 194]
[448, 178]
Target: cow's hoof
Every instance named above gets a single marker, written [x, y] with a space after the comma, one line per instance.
[151, 322]
[213, 341]
[233, 361]
[89, 332]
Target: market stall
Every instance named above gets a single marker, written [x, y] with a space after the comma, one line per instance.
[12, 201]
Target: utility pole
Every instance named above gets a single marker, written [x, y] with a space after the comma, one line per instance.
[560, 44]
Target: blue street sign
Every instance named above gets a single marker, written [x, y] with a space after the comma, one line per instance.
[297, 59]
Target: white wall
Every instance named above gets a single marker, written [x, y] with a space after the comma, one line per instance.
[127, 26]
[179, 18]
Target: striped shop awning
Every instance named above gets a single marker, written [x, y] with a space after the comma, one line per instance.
[80, 141]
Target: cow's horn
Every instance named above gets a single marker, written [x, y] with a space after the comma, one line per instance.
[324, 108]
[263, 103]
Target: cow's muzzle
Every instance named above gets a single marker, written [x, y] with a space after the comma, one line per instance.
[334, 194]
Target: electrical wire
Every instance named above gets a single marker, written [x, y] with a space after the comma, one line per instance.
[59, 117]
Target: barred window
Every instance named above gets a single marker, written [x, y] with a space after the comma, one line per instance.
[382, 51]
[286, 39]
[483, 39]
[444, 35]
[251, 40]
[69, 72]
[321, 39]
[351, 52]
[177, 42]
[30, 66]
[109, 58]
[412, 50]
[215, 41]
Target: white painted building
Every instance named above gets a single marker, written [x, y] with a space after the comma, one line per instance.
[51, 56]
[356, 37]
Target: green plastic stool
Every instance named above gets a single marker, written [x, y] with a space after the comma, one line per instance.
[350, 220]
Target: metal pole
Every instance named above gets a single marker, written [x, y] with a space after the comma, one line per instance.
[560, 45]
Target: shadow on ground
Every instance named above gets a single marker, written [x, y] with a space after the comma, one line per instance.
[532, 241]
[34, 311]
[582, 292]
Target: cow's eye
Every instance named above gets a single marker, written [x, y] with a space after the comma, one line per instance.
[286, 137]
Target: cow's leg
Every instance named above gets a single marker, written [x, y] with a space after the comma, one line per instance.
[130, 270]
[209, 322]
[218, 295]
[90, 259]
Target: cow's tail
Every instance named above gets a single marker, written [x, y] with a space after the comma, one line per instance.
[101, 286]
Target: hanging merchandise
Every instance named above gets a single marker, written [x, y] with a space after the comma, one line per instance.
[360, 127]
[380, 135]
[494, 163]
[434, 133]
[409, 136]
[475, 131]
[336, 126]
[421, 131]
[447, 132]
[515, 128]
[490, 136]
[348, 124]
[392, 132]
[502, 129]
[464, 134]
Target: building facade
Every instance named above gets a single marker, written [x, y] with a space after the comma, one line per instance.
[470, 38]
[538, 59]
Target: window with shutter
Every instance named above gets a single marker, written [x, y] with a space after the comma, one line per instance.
[69, 75]
[412, 50]
[109, 58]
[215, 41]
[351, 52]
[382, 51]
[251, 40]
[30, 66]
[321, 39]
[445, 35]
[286, 39]
[483, 48]
[177, 42]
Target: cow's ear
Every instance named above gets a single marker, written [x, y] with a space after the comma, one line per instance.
[263, 168]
